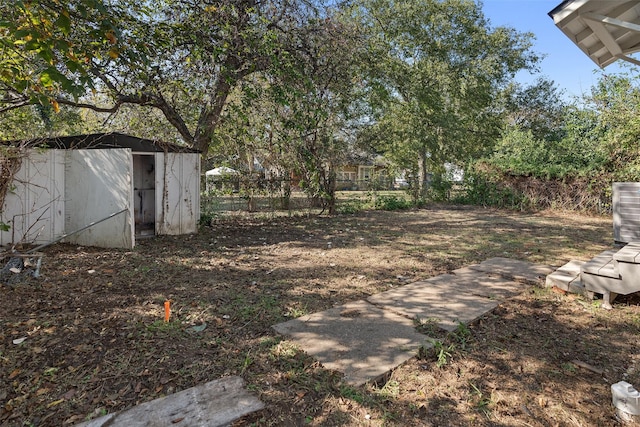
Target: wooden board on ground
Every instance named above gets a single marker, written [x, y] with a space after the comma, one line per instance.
[216, 403]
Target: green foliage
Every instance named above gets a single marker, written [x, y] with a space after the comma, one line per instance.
[435, 69]
[351, 206]
[392, 203]
[581, 152]
[439, 188]
[48, 48]
[442, 352]
[482, 186]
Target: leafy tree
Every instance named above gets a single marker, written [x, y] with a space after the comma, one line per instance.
[295, 120]
[180, 57]
[617, 102]
[434, 69]
[38, 121]
[538, 108]
[48, 48]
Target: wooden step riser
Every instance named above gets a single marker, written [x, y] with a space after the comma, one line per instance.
[602, 284]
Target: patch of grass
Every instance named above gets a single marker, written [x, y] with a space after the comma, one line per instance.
[392, 203]
[390, 390]
[428, 326]
[352, 393]
[461, 335]
[246, 362]
[483, 404]
[296, 312]
[173, 327]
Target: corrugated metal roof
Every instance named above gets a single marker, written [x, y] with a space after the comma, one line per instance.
[105, 141]
[605, 30]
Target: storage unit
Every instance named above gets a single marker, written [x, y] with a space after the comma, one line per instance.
[153, 187]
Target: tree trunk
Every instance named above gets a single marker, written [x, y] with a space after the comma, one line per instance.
[423, 183]
[331, 191]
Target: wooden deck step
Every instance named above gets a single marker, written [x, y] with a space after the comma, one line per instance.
[629, 254]
[602, 265]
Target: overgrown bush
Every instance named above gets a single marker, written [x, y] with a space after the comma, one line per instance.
[391, 203]
[440, 188]
[486, 185]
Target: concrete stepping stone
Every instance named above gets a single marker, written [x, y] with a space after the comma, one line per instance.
[216, 403]
[493, 286]
[515, 269]
[358, 339]
[447, 299]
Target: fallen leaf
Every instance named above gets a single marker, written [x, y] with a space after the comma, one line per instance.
[54, 403]
[14, 373]
[42, 391]
[18, 341]
[68, 395]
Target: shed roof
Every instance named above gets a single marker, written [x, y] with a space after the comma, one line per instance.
[106, 141]
[605, 30]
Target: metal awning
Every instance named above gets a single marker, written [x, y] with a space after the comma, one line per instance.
[606, 30]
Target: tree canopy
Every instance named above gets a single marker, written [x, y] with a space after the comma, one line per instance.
[297, 83]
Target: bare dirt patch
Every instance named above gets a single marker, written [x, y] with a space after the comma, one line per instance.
[96, 341]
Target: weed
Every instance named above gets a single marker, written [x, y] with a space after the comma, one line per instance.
[427, 326]
[51, 372]
[284, 349]
[296, 312]
[352, 393]
[269, 342]
[248, 361]
[483, 403]
[351, 207]
[462, 334]
[539, 292]
[442, 353]
[391, 389]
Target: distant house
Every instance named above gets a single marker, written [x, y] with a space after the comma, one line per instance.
[222, 178]
[363, 172]
[63, 184]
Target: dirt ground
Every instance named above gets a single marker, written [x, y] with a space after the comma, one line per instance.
[96, 342]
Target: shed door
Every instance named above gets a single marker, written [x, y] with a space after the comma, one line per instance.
[98, 183]
[177, 193]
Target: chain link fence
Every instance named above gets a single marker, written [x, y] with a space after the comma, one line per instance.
[236, 195]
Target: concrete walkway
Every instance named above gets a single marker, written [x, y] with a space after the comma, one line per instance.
[367, 339]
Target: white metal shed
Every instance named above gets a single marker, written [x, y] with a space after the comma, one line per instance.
[64, 184]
